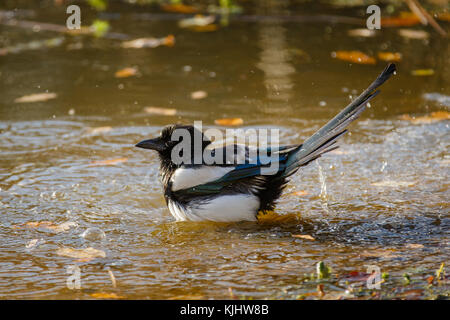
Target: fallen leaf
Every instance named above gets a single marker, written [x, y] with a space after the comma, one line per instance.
[126, 72]
[320, 290]
[110, 162]
[393, 184]
[430, 279]
[415, 246]
[444, 16]
[303, 236]
[229, 122]
[379, 253]
[98, 130]
[300, 193]
[178, 8]
[405, 19]
[413, 34]
[354, 57]
[105, 295]
[197, 21]
[168, 41]
[366, 33]
[356, 276]
[427, 119]
[47, 225]
[188, 297]
[161, 111]
[422, 72]
[196, 95]
[36, 97]
[207, 28]
[390, 56]
[270, 217]
[84, 255]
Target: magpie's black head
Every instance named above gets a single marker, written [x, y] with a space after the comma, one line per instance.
[172, 135]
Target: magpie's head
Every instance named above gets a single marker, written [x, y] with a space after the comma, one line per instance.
[171, 136]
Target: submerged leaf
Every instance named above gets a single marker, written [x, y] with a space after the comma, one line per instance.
[303, 236]
[431, 118]
[126, 72]
[354, 57]
[229, 122]
[422, 72]
[161, 111]
[196, 95]
[197, 21]
[405, 19]
[362, 32]
[413, 34]
[110, 162]
[179, 8]
[168, 41]
[36, 97]
[390, 56]
[105, 295]
[84, 255]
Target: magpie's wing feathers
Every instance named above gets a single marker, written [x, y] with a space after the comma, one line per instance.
[243, 171]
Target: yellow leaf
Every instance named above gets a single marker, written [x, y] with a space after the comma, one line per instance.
[431, 118]
[229, 122]
[196, 95]
[405, 19]
[36, 97]
[444, 16]
[105, 295]
[179, 8]
[354, 57]
[98, 130]
[207, 28]
[390, 56]
[126, 72]
[110, 162]
[299, 193]
[303, 236]
[84, 255]
[422, 72]
[161, 111]
[413, 34]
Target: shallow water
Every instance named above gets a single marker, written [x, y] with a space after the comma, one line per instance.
[386, 199]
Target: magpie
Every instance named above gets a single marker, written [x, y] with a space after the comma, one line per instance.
[231, 192]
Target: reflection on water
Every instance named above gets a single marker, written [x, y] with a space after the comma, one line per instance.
[386, 190]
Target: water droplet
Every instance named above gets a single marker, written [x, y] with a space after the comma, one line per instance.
[93, 234]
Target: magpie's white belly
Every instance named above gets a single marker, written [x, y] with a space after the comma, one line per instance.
[227, 208]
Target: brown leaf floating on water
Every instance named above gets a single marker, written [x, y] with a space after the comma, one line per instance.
[83, 255]
[110, 162]
[47, 225]
[405, 19]
[160, 111]
[354, 57]
[168, 41]
[299, 193]
[431, 118]
[36, 97]
[303, 236]
[179, 8]
[390, 56]
[422, 72]
[413, 34]
[98, 130]
[106, 295]
[126, 72]
[229, 122]
[197, 95]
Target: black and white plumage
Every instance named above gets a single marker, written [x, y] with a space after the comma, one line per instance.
[237, 192]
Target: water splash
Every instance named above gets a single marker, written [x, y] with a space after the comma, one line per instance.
[323, 188]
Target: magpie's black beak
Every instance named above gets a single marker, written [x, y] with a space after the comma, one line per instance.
[153, 144]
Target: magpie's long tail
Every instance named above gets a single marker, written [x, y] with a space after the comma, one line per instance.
[325, 139]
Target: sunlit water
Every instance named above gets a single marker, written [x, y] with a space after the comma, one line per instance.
[385, 188]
